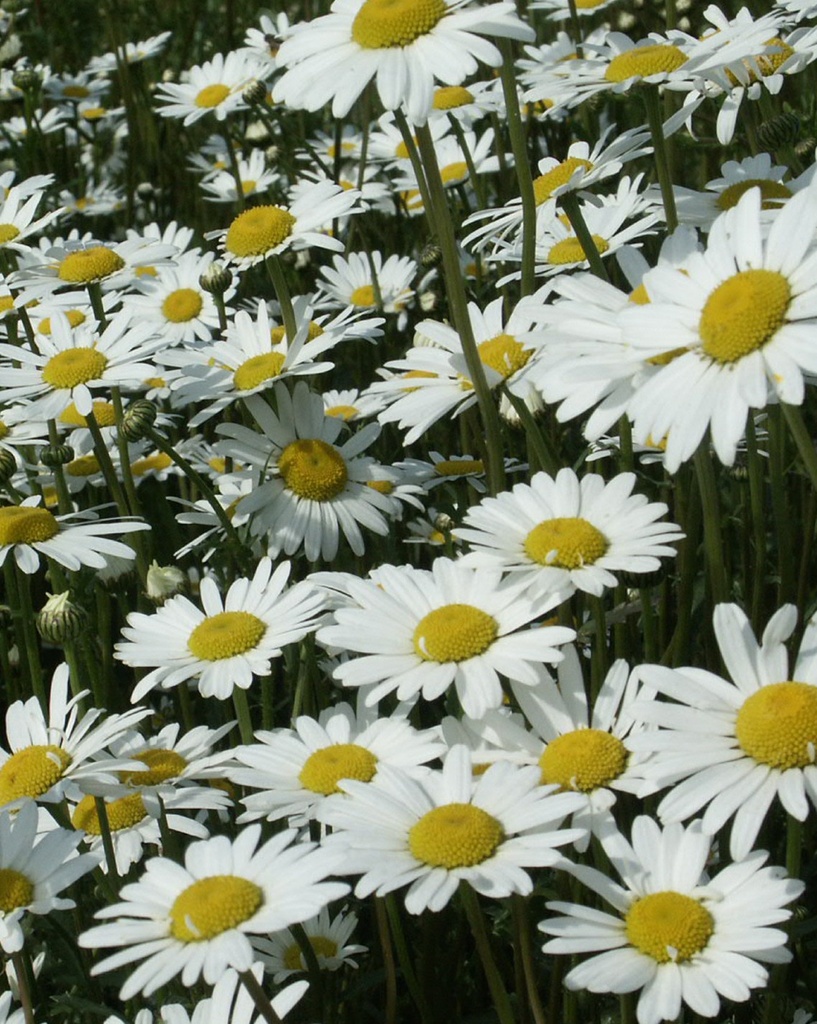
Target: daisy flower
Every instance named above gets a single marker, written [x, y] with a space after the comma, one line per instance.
[130, 53]
[678, 935]
[253, 172]
[445, 829]
[405, 46]
[231, 1003]
[228, 643]
[349, 282]
[740, 315]
[17, 218]
[296, 769]
[195, 920]
[329, 938]
[732, 747]
[317, 488]
[31, 532]
[558, 535]
[418, 632]
[213, 87]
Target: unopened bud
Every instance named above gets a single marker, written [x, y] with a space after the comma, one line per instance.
[254, 93]
[53, 455]
[164, 581]
[216, 279]
[60, 620]
[137, 419]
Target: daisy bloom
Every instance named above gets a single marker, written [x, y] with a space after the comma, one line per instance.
[17, 218]
[740, 318]
[228, 643]
[418, 632]
[562, 534]
[405, 46]
[329, 938]
[678, 935]
[348, 282]
[195, 920]
[130, 53]
[432, 834]
[732, 747]
[213, 87]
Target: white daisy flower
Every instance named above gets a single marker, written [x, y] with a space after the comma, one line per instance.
[677, 934]
[404, 46]
[329, 938]
[228, 643]
[17, 218]
[130, 53]
[558, 535]
[348, 282]
[253, 172]
[446, 829]
[215, 87]
[418, 632]
[231, 1003]
[196, 920]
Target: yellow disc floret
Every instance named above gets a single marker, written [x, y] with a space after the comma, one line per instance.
[86, 265]
[565, 542]
[258, 231]
[455, 836]
[213, 905]
[570, 250]
[324, 947]
[545, 185]
[104, 414]
[160, 765]
[743, 313]
[459, 467]
[454, 632]
[669, 926]
[583, 760]
[182, 305]
[342, 412]
[74, 366]
[643, 61]
[122, 814]
[84, 466]
[449, 97]
[313, 469]
[226, 635]
[255, 370]
[772, 193]
[382, 24]
[362, 297]
[777, 725]
[324, 769]
[504, 354]
[22, 524]
[8, 232]
[32, 772]
[15, 890]
[212, 95]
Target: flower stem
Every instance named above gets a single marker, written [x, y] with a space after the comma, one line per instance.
[107, 841]
[521, 927]
[537, 438]
[570, 204]
[708, 488]
[279, 283]
[259, 997]
[652, 103]
[242, 711]
[23, 986]
[389, 967]
[406, 965]
[502, 1002]
[802, 438]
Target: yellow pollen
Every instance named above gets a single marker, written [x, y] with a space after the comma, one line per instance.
[401, 150]
[451, 96]
[87, 265]
[75, 318]
[453, 174]
[455, 836]
[772, 193]
[161, 765]
[769, 63]
[104, 414]
[342, 412]
[258, 231]
[248, 186]
[454, 632]
[155, 382]
[158, 461]
[218, 464]
[213, 905]
[94, 113]
[382, 24]
[226, 635]
[589, 5]
[416, 375]
[666, 357]
[76, 92]
[504, 354]
[22, 524]
[84, 466]
[182, 305]
[32, 771]
[8, 232]
[313, 469]
[15, 890]
[323, 946]
[570, 250]
[257, 369]
[669, 926]
[545, 185]
[777, 725]
[146, 271]
[362, 296]
[643, 61]
[565, 542]
[583, 760]
[4, 430]
[381, 486]
[639, 296]
[212, 95]
[6, 303]
[324, 769]
[277, 334]
[742, 314]
[122, 814]
[74, 366]
[459, 467]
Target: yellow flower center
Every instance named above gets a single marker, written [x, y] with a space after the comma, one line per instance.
[8, 232]
[122, 814]
[567, 542]
[32, 772]
[639, 296]
[212, 95]
[455, 836]
[643, 61]
[277, 334]
[74, 366]
[451, 96]
[213, 905]
[226, 635]
[182, 305]
[418, 375]
[362, 296]
[381, 486]
[4, 430]
[104, 414]
[666, 357]
[93, 113]
[589, 5]
[84, 466]
[87, 265]
[157, 461]
[504, 354]
[669, 926]
[742, 314]
[21, 524]
[323, 946]
[248, 186]
[15, 890]
[76, 92]
[6, 303]
[161, 765]
[772, 193]
[454, 632]
[258, 231]
[777, 725]
[454, 173]
[381, 24]
[325, 768]
[342, 412]
[570, 250]
[313, 469]
[583, 760]
[257, 369]
[459, 467]
[545, 185]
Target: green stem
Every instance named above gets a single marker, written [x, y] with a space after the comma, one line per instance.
[241, 200]
[30, 638]
[713, 545]
[259, 997]
[406, 965]
[521, 927]
[476, 182]
[107, 840]
[538, 440]
[279, 283]
[652, 104]
[794, 846]
[23, 986]
[499, 995]
[802, 439]
[756, 505]
[63, 497]
[242, 711]
[389, 966]
[570, 204]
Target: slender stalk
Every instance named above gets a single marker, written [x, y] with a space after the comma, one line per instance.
[30, 638]
[499, 995]
[63, 497]
[259, 997]
[242, 711]
[23, 987]
[757, 509]
[241, 200]
[107, 841]
[713, 546]
[389, 967]
[548, 459]
[521, 927]
[313, 967]
[570, 204]
[802, 438]
[275, 270]
[652, 104]
[473, 176]
[406, 964]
